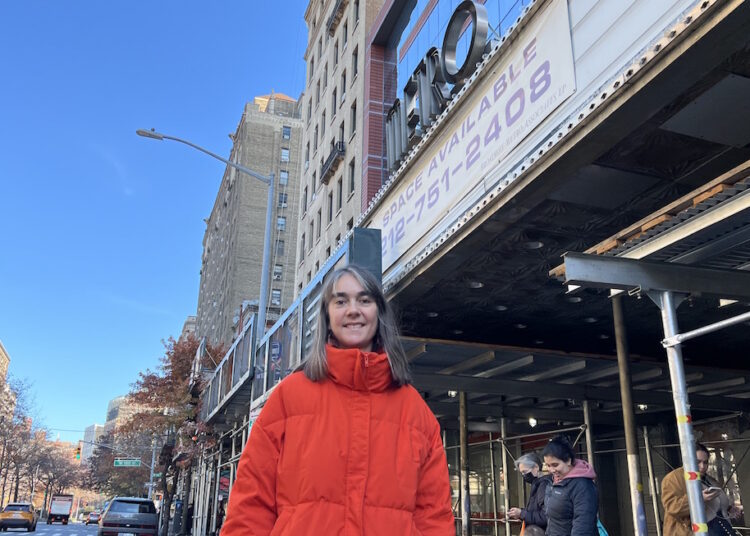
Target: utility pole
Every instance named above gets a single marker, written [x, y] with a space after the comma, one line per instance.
[151, 469]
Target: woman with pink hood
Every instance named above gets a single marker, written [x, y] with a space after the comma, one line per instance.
[571, 501]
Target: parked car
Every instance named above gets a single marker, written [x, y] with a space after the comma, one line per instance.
[130, 515]
[93, 517]
[18, 515]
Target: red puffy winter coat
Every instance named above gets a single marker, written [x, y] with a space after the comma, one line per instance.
[351, 455]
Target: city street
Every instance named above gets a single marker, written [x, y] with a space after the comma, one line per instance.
[58, 529]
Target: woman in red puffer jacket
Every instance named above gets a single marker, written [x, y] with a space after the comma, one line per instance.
[346, 446]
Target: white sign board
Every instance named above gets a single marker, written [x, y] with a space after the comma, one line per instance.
[535, 76]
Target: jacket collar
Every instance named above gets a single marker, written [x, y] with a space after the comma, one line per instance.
[358, 370]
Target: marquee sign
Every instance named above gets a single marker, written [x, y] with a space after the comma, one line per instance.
[533, 78]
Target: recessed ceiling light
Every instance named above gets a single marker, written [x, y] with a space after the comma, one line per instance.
[501, 307]
[590, 320]
[533, 244]
[538, 341]
[519, 326]
[475, 284]
[532, 422]
[432, 314]
[574, 299]
[458, 331]
[603, 336]
[452, 394]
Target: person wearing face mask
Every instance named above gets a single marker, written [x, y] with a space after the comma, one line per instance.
[533, 515]
[571, 501]
[345, 444]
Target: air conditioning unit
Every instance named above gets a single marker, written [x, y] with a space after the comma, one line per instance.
[276, 277]
[283, 205]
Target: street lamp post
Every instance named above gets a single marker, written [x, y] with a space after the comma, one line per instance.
[263, 299]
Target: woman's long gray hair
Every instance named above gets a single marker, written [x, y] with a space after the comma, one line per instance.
[386, 337]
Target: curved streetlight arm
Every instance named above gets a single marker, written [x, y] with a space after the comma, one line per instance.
[265, 268]
[159, 136]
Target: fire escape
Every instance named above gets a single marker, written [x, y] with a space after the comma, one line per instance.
[336, 15]
[329, 167]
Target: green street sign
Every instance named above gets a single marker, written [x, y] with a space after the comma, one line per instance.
[157, 475]
[127, 462]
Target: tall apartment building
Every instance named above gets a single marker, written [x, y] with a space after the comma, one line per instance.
[7, 396]
[331, 196]
[268, 140]
[91, 436]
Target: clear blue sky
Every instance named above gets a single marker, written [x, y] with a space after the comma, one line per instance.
[101, 231]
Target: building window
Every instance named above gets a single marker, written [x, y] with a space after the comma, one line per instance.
[275, 297]
[313, 185]
[307, 155]
[282, 200]
[320, 221]
[281, 223]
[341, 131]
[302, 247]
[334, 102]
[350, 224]
[345, 36]
[304, 200]
[322, 124]
[309, 110]
[355, 11]
[317, 266]
[312, 233]
[339, 194]
[279, 248]
[309, 276]
[283, 177]
[355, 66]
[336, 53]
[311, 71]
[351, 176]
[278, 271]
[320, 46]
[328, 252]
[315, 140]
[330, 207]
[286, 132]
[325, 76]
[317, 93]
[343, 86]
[353, 119]
[285, 155]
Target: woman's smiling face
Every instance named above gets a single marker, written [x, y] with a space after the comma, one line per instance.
[352, 314]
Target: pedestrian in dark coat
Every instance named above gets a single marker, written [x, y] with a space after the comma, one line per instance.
[571, 502]
[530, 467]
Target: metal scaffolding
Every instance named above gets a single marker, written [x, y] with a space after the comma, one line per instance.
[667, 284]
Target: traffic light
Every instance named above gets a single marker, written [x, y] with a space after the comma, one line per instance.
[78, 453]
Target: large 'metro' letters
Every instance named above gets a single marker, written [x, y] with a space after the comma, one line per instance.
[426, 93]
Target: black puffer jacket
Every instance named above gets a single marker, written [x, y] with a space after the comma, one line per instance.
[534, 513]
[573, 503]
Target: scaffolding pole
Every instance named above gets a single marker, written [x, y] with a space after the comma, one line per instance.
[668, 304]
[628, 417]
[464, 462]
[652, 481]
[589, 435]
[506, 487]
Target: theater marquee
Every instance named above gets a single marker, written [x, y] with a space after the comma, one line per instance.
[535, 75]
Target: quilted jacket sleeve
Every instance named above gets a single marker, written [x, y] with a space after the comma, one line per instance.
[252, 500]
[433, 515]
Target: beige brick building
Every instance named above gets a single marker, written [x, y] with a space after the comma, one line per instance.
[268, 140]
[331, 196]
